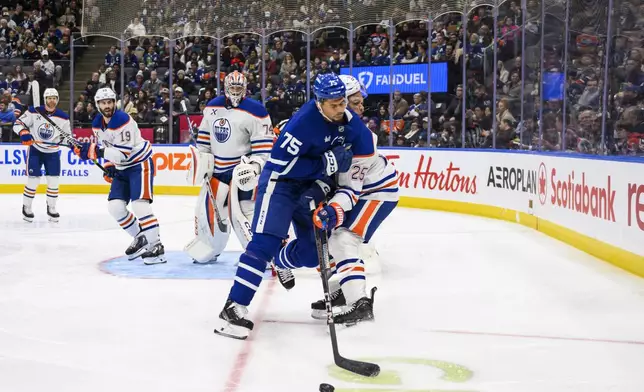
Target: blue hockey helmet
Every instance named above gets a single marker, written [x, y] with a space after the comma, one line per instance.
[328, 86]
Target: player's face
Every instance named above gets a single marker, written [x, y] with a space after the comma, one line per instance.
[334, 108]
[51, 102]
[356, 103]
[107, 107]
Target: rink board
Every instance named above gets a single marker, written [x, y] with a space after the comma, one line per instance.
[593, 203]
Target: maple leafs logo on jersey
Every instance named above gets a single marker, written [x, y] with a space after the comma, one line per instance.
[327, 139]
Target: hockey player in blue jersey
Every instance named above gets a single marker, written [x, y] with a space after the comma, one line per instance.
[319, 141]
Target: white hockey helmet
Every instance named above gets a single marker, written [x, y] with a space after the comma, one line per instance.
[51, 92]
[103, 94]
[353, 86]
[235, 87]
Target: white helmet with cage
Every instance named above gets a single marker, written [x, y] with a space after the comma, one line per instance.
[353, 86]
[235, 87]
[103, 94]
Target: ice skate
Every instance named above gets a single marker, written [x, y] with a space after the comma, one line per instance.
[359, 311]
[137, 247]
[231, 322]
[318, 309]
[27, 214]
[53, 214]
[284, 275]
[154, 255]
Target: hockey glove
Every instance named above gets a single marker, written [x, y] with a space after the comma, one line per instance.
[328, 216]
[337, 159]
[246, 174]
[317, 192]
[26, 138]
[110, 171]
[87, 151]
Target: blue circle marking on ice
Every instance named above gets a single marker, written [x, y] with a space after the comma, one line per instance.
[179, 266]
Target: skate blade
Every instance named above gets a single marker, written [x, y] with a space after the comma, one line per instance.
[155, 260]
[321, 314]
[137, 254]
[30, 220]
[224, 328]
[52, 219]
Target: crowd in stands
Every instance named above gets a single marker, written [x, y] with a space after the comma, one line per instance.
[502, 110]
[35, 39]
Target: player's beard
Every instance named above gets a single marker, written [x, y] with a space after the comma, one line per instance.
[108, 112]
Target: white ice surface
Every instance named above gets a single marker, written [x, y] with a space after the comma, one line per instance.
[522, 311]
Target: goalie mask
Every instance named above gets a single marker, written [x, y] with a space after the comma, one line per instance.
[235, 87]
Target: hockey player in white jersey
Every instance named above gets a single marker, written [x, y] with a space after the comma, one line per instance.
[131, 174]
[366, 194]
[44, 150]
[233, 142]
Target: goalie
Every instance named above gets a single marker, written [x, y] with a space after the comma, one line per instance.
[233, 143]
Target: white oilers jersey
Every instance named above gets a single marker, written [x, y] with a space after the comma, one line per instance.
[121, 138]
[230, 133]
[370, 177]
[44, 134]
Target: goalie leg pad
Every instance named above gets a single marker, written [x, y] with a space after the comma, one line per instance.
[209, 240]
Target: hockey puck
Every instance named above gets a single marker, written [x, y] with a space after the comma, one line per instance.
[327, 388]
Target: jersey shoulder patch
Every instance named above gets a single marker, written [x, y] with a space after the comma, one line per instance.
[61, 114]
[219, 101]
[119, 119]
[97, 122]
[253, 108]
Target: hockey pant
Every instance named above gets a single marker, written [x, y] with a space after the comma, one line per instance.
[212, 231]
[345, 245]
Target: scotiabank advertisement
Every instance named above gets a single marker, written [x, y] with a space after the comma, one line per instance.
[602, 199]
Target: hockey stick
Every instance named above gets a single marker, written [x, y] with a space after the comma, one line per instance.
[52, 144]
[223, 227]
[67, 137]
[366, 369]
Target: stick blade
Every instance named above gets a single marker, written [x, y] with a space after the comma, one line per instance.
[365, 369]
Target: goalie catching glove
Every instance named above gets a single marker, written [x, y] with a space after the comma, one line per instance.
[246, 174]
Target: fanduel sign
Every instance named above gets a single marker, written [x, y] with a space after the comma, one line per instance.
[408, 78]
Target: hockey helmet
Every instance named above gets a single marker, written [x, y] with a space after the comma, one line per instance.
[235, 87]
[103, 94]
[353, 86]
[51, 92]
[328, 86]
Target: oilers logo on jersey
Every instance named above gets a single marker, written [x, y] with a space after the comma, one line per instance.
[45, 131]
[221, 129]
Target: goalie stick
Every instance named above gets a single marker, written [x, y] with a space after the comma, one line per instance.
[223, 227]
[366, 369]
[66, 136]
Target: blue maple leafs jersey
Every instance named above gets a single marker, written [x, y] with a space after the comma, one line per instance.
[297, 152]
